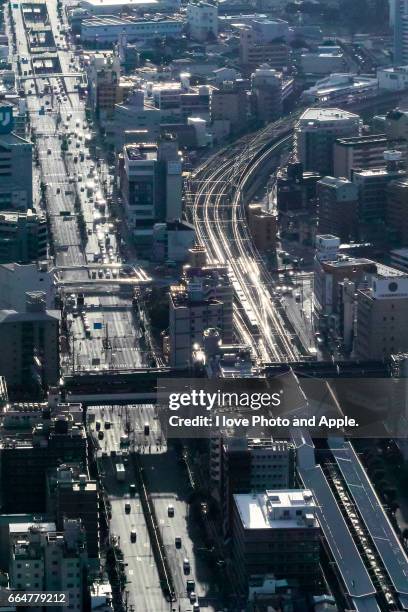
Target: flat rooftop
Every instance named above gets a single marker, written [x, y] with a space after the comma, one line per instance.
[277, 509]
[142, 152]
[327, 114]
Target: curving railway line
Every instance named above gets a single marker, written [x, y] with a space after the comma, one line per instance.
[216, 206]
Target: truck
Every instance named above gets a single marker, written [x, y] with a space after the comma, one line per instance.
[120, 472]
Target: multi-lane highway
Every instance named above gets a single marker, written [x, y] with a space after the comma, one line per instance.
[75, 187]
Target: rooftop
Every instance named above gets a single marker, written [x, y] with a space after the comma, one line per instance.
[141, 152]
[277, 509]
[327, 114]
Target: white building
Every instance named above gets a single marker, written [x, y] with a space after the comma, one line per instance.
[393, 79]
[340, 85]
[108, 29]
[202, 20]
[109, 7]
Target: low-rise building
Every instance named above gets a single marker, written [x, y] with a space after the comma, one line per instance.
[325, 61]
[107, 30]
[172, 241]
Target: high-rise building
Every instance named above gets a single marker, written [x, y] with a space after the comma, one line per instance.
[358, 152]
[381, 320]
[277, 533]
[266, 90]
[103, 84]
[32, 338]
[372, 194]
[230, 103]
[400, 19]
[34, 440]
[203, 299]
[202, 20]
[151, 186]
[397, 210]
[315, 135]
[16, 177]
[252, 466]
[23, 236]
[72, 494]
[43, 560]
[337, 207]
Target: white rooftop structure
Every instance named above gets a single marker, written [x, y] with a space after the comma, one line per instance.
[107, 7]
[277, 509]
[339, 85]
[322, 116]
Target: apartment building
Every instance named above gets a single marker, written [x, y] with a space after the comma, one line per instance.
[337, 200]
[23, 236]
[358, 152]
[202, 20]
[263, 225]
[255, 50]
[230, 103]
[266, 92]
[381, 321]
[397, 210]
[151, 186]
[32, 337]
[46, 560]
[16, 159]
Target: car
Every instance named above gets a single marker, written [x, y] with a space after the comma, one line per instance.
[193, 597]
[100, 435]
[186, 566]
[170, 510]
[58, 190]
[128, 508]
[133, 536]
[190, 586]
[48, 151]
[132, 489]
[196, 607]
[107, 424]
[177, 542]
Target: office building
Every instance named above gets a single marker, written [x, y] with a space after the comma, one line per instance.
[202, 20]
[263, 226]
[397, 210]
[356, 153]
[230, 103]
[268, 529]
[395, 124]
[399, 259]
[72, 494]
[337, 208]
[195, 103]
[16, 159]
[325, 60]
[33, 340]
[50, 560]
[315, 135]
[250, 465]
[135, 115]
[381, 319]
[255, 49]
[372, 193]
[202, 299]
[266, 92]
[42, 439]
[151, 186]
[17, 280]
[107, 30]
[23, 236]
[400, 18]
[104, 93]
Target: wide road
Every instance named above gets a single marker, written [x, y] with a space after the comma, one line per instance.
[143, 583]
